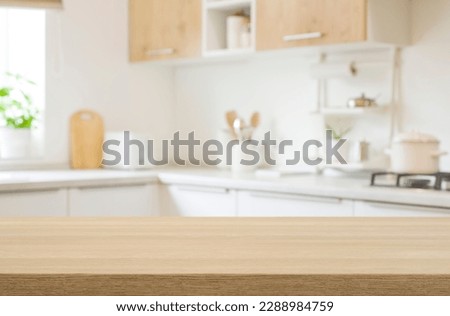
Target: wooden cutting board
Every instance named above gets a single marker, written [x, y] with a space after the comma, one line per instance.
[86, 136]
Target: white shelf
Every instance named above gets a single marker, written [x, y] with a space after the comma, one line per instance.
[228, 4]
[215, 14]
[344, 111]
[229, 52]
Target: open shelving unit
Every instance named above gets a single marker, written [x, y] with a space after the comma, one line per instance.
[215, 13]
[388, 109]
[344, 111]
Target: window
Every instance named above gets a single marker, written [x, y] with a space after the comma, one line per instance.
[22, 52]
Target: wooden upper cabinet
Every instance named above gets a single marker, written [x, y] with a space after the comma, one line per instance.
[292, 23]
[164, 29]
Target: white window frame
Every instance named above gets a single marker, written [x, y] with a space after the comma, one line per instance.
[35, 45]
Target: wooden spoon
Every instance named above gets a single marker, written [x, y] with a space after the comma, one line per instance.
[239, 126]
[231, 117]
[255, 120]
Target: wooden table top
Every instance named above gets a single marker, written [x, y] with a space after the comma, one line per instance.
[241, 247]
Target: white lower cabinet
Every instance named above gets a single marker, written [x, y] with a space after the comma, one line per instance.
[40, 203]
[265, 204]
[378, 209]
[120, 201]
[142, 200]
[199, 201]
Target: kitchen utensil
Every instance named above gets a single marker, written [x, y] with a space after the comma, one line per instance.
[86, 135]
[255, 120]
[254, 124]
[239, 126]
[231, 116]
[247, 132]
[415, 152]
[241, 129]
[361, 102]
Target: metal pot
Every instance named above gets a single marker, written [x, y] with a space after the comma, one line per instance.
[361, 102]
[415, 152]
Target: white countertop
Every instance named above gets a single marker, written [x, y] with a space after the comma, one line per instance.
[353, 188]
[50, 179]
[345, 187]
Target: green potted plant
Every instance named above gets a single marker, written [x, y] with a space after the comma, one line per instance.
[18, 116]
[339, 132]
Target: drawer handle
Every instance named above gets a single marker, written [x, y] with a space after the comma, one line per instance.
[302, 36]
[109, 186]
[32, 191]
[305, 198]
[160, 52]
[203, 190]
[407, 207]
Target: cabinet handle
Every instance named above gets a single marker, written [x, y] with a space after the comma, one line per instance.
[28, 191]
[305, 198]
[108, 186]
[407, 207]
[160, 52]
[203, 189]
[302, 36]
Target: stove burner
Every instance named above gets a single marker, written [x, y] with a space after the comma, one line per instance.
[417, 183]
[411, 180]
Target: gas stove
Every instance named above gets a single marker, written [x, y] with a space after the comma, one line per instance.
[436, 181]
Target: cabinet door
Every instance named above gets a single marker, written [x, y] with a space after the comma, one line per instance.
[376, 209]
[45, 203]
[291, 23]
[264, 204]
[198, 201]
[164, 29]
[123, 201]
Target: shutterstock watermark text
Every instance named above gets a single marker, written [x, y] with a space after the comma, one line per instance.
[214, 152]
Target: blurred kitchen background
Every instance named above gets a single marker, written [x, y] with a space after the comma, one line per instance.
[98, 55]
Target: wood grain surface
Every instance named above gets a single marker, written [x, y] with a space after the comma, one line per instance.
[164, 24]
[226, 256]
[86, 140]
[340, 21]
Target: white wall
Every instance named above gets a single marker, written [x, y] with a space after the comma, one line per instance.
[281, 89]
[87, 67]
[426, 73]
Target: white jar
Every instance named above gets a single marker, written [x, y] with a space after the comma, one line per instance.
[235, 25]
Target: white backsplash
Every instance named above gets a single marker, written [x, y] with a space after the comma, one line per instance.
[426, 74]
[88, 67]
[282, 90]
